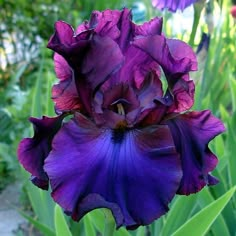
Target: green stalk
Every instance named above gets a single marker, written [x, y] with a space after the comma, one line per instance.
[197, 13]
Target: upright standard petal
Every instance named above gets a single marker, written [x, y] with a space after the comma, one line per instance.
[152, 27]
[192, 132]
[33, 151]
[134, 173]
[174, 56]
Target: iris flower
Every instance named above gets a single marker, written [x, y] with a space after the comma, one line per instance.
[129, 142]
[172, 5]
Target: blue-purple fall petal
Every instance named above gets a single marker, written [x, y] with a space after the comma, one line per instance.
[134, 173]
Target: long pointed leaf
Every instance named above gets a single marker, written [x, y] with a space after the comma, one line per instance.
[200, 223]
[61, 225]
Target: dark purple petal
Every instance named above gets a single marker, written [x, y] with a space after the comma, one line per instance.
[174, 56]
[149, 90]
[114, 24]
[137, 65]
[110, 60]
[192, 132]
[172, 5]
[33, 151]
[135, 173]
[67, 44]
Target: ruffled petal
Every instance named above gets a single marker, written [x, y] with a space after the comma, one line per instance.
[172, 5]
[33, 151]
[174, 56]
[135, 173]
[152, 27]
[192, 132]
[137, 65]
[182, 95]
[66, 43]
[114, 24]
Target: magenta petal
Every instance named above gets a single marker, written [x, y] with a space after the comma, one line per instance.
[33, 151]
[152, 27]
[192, 132]
[66, 96]
[62, 68]
[134, 173]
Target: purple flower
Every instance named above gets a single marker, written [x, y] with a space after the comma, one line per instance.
[172, 5]
[131, 145]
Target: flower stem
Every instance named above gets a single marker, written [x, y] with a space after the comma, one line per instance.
[197, 13]
[109, 223]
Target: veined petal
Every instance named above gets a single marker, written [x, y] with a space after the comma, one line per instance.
[183, 96]
[33, 151]
[62, 68]
[174, 56]
[66, 96]
[134, 173]
[115, 24]
[110, 60]
[192, 132]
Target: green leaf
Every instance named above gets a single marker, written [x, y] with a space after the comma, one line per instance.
[200, 223]
[41, 203]
[122, 232]
[97, 218]
[219, 227]
[38, 225]
[232, 83]
[88, 227]
[141, 231]
[174, 219]
[61, 225]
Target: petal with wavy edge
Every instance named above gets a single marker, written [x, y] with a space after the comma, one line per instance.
[152, 27]
[192, 132]
[183, 96]
[134, 173]
[174, 56]
[33, 151]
